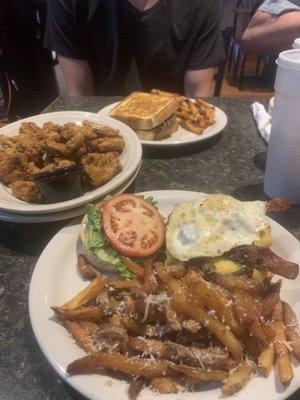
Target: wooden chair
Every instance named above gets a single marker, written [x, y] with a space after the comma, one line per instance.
[226, 34]
[243, 13]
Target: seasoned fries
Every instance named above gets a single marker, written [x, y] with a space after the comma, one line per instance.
[80, 313]
[195, 116]
[282, 354]
[84, 268]
[86, 295]
[266, 360]
[238, 379]
[114, 361]
[185, 306]
[172, 330]
[291, 329]
[164, 385]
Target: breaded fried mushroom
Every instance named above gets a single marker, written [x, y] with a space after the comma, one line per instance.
[26, 191]
[29, 128]
[7, 142]
[104, 145]
[101, 130]
[58, 164]
[99, 168]
[13, 166]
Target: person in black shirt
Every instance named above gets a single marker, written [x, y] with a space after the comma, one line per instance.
[113, 47]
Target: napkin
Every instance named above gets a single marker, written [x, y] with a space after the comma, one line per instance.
[262, 119]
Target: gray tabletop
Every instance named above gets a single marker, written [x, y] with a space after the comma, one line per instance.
[233, 163]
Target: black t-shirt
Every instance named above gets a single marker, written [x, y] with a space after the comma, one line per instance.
[120, 42]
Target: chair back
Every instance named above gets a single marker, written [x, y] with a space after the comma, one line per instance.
[227, 35]
[243, 13]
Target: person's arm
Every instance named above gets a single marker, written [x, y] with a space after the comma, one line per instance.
[207, 53]
[78, 76]
[64, 36]
[199, 83]
[271, 34]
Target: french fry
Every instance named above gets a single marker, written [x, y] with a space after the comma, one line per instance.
[96, 363]
[80, 335]
[132, 328]
[277, 314]
[183, 305]
[176, 271]
[291, 328]
[266, 359]
[193, 108]
[200, 374]
[242, 282]
[246, 308]
[84, 268]
[133, 266]
[125, 284]
[198, 130]
[261, 332]
[135, 388]
[211, 297]
[271, 299]
[164, 385]
[282, 354]
[205, 104]
[238, 379]
[81, 313]
[150, 283]
[89, 326]
[172, 318]
[185, 115]
[213, 358]
[86, 295]
[165, 275]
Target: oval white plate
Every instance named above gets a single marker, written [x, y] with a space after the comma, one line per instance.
[55, 280]
[60, 215]
[181, 136]
[129, 159]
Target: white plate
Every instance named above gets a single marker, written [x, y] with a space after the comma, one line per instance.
[129, 159]
[55, 280]
[181, 136]
[61, 215]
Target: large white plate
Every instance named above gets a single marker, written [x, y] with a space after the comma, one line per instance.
[181, 136]
[60, 215]
[129, 159]
[55, 280]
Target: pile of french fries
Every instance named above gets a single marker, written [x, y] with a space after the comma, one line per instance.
[173, 328]
[195, 116]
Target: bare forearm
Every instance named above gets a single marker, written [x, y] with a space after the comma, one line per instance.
[78, 76]
[199, 83]
[271, 34]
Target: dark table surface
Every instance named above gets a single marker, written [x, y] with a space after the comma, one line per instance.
[231, 164]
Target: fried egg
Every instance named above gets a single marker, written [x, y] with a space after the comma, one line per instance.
[213, 225]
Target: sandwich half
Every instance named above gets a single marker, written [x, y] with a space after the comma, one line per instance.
[151, 116]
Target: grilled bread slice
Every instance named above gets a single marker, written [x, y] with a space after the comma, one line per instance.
[145, 111]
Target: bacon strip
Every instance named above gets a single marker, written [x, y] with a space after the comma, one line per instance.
[264, 259]
[278, 204]
[269, 261]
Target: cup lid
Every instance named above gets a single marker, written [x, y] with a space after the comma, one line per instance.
[296, 44]
[289, 59]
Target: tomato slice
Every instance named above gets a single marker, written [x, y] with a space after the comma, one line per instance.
[132, 225]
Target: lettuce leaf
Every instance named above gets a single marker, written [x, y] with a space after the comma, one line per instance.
[151, 200]
[98, 244]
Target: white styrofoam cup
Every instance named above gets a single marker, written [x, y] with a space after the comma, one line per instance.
[282, 176]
